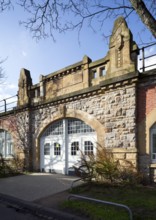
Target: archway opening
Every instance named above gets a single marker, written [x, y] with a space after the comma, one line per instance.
[62, 145]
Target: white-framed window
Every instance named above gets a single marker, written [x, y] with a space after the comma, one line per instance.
[88, 148]
[57, 149]
[54, 129]
[47, 149]
[153, 142]
[76, 126]
[74, 148]
[6, 143]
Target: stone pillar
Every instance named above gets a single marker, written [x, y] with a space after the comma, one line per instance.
[24, 84]
[122, 50]
[42, 90]
[86, 61]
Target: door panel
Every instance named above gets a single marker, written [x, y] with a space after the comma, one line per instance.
[78, 146]
[58, 155]
[47, 159]
[74, 153]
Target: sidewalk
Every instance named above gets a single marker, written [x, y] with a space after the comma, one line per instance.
[39, 193]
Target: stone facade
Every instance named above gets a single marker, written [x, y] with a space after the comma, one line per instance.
[109, 95]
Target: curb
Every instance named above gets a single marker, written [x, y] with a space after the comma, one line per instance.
[37, 210]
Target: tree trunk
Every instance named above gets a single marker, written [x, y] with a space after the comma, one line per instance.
[145, 15]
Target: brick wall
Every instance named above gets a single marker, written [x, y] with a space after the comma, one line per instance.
[146, 100]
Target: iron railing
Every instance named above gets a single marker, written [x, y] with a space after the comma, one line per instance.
[148, 57]
[8, 104]
[146, 61]
[103, 202]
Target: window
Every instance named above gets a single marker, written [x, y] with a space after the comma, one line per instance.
[54, 129]
[6, 144]
[57, 149]
[74, 148]
[76, 126]
[102, 71]
[47, 149]
[94, 74]
[153, 143]
[88, 148]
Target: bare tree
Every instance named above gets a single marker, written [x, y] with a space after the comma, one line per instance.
[47, 16]
[19, 126]
[2, 73]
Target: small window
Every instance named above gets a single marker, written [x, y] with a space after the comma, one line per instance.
[9, 149]
[6, 143]
[57, 149]
[88, 148]
[153, 143]
[94, 74]
[74, 148]
[102, 71]
[154, 146]
[47, 149]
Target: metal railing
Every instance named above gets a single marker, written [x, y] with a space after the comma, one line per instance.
[103, 202]
[8, 104]
[147, 61]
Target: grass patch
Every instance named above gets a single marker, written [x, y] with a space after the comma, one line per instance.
[140, 199]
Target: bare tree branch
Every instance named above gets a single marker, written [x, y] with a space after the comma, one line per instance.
[145, 15]
[46, 17]
[2, 72]
[5, 5]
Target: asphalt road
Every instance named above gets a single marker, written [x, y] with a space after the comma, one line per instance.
[7, 212]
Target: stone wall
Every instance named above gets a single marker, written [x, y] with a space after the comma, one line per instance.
[113, 109]
[108, 94]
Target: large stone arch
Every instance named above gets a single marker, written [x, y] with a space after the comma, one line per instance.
[69, 113]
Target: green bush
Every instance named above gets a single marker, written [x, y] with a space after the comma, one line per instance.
[102, 167]
[10, 167]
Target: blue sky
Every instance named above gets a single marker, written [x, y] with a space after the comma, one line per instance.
[46, 56]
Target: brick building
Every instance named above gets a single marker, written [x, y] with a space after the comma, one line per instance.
[107, 101]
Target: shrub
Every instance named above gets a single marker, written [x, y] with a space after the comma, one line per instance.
[10, 167]
[102, 167]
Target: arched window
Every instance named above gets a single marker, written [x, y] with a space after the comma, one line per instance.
[153, 143]
[6, 143]
[76, 126]
[54, 129]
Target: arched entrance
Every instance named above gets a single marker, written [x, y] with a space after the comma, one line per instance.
[62, 143]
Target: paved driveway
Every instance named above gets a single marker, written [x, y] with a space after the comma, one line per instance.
[35, 186]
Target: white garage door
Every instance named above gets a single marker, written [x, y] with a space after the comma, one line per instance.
[63, 143]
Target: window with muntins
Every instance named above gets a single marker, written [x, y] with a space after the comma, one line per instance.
[76, 126]
[54, 129]
[74, 148]
[6, 143]
[57, 149]
[88, 148]
[47, 149]
[153, 143]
